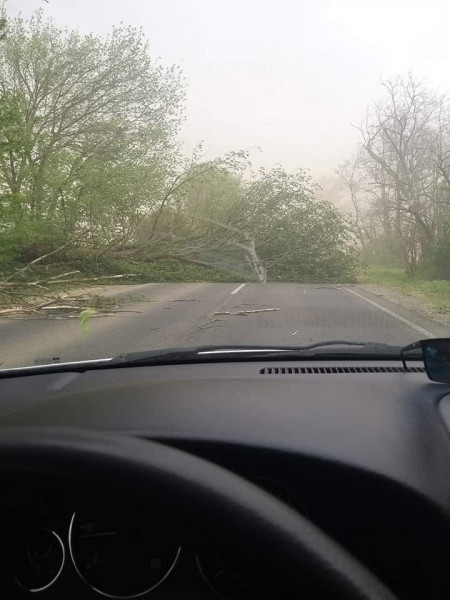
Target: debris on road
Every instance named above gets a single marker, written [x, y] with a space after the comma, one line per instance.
[244, 313]
[327, 287]
[66, 306]
[187, 300]
[214, 321]
[295, 333]
[18, 297]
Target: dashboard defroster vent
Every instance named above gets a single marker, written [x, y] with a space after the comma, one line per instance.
[335, 370]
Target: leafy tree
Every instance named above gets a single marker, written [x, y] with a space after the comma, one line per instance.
[90, 113]
[299, 235]
[218, 215]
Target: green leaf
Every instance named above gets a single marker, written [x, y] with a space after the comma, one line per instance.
[85, 315]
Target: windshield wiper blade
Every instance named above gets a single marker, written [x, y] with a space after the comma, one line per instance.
[320, 350]
[231, 352]
[377, 345]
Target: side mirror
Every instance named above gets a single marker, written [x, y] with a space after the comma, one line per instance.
[436, 357]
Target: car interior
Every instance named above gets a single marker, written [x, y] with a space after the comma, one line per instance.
[227, 478]
[224, 226]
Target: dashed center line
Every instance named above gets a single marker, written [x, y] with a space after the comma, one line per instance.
[237, 289]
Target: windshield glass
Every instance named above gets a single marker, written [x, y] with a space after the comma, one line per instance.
[181, 173]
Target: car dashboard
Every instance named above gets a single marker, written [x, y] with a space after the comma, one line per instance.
[361, 448]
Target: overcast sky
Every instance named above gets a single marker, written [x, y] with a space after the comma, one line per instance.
[289, 76]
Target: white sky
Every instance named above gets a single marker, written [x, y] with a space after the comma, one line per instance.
[289, 76]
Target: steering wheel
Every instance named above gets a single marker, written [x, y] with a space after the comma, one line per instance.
[203, 496]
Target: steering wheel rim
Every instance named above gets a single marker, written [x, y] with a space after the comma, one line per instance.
[197, 490]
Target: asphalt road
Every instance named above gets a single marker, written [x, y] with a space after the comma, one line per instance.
[183, 314]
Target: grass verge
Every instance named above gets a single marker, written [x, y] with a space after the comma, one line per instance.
[435, 293]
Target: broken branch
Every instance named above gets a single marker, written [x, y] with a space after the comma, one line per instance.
[244, 313]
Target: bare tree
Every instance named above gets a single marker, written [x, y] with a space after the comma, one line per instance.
[352, 178]
[403, 162]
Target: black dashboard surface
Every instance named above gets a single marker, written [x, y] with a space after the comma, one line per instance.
[365, 455]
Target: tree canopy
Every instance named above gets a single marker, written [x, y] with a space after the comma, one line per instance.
[90, 154]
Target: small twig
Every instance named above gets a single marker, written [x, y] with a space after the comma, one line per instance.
[40, 286]
[63, 307]
[82, 279]
[32, 308]
[62, 275]
[214, 321]
[11, 311]
[99, 316]
[47, 303]
[244, 313]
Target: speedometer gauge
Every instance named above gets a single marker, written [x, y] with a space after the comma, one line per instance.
[38, 559]
[120, 558]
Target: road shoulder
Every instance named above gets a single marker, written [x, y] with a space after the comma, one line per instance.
[405, 301]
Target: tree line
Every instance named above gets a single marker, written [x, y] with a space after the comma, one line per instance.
[399, 179]
[90, 159]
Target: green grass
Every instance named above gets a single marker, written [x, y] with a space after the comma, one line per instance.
[435, 293]
[385, 275]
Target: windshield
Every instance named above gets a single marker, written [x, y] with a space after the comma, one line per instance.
[181, 173]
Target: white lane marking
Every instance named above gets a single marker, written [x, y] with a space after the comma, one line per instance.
[393, 314]
[237, 289]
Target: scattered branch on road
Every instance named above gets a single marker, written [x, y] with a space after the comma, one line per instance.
[214, 321]
[13, 289]
[244, 313]
[34, 303]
